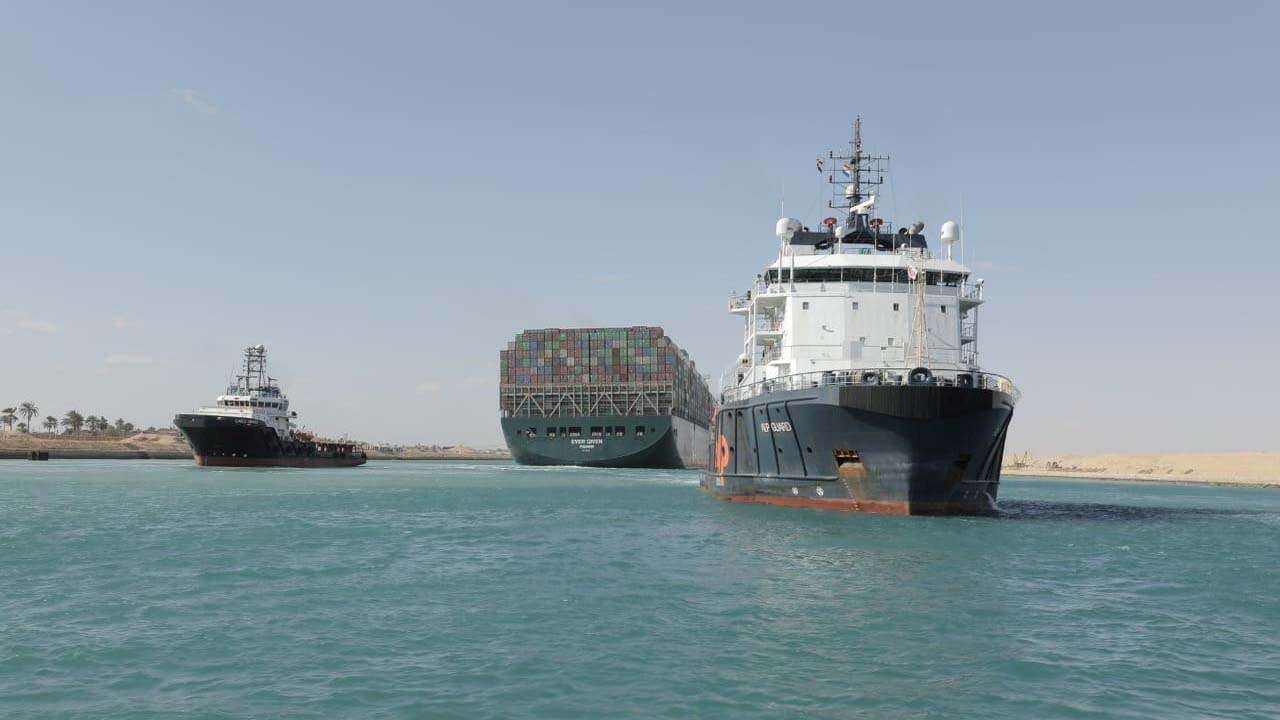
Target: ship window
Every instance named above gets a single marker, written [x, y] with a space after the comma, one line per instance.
[943, 308]
[597, 431]
[890, 342]
[855, 305]
[619, 431]
[895, 307]
[575, 432]
[804, 306]
[639, 431]
[551, 432]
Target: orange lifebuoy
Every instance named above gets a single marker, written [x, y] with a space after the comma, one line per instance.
[722, 454]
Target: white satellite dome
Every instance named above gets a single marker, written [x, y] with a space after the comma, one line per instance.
[787, 228]
[950, 232]
[850, 191]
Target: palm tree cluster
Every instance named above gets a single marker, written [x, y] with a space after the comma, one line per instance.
[72, 423]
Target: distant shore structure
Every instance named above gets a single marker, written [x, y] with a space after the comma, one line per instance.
[603, 397]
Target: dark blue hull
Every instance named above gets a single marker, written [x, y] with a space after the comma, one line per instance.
[623, 441]
[908, 449]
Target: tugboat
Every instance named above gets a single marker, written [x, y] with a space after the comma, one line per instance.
[858, 387]
[251, 426]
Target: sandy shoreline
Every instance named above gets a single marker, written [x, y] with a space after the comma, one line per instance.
[1253, 469]
[168, 445]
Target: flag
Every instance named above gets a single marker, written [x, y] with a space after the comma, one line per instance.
[819, 164]
[848, 169]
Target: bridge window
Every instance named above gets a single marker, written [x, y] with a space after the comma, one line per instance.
[804, 306]
[639, 431]
[597, 431]
[575, 432]
[943, 308]
[895, 307]
[551, 432]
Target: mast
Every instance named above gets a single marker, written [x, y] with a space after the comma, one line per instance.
[855, 177]
[255, 370]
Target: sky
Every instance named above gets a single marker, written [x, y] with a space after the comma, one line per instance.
[384, 194]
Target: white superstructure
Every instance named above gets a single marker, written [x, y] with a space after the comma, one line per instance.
[851, 298]
[255, 396]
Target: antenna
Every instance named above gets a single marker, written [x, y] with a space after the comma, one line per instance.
[863, 174]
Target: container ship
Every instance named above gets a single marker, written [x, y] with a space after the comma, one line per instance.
[603, 397]
[858, 386]
[251, 425]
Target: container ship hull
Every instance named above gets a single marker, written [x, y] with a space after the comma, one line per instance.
[225, 441]
[910, 450]
[624, 441]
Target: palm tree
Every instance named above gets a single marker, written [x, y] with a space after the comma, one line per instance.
[28, 410]
[22, 427]
[50, 424]
[7, 417]
[73, 421]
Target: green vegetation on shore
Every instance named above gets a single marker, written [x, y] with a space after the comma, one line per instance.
[73, 423]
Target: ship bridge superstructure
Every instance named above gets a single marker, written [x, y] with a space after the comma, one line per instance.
[255, 396]
[855, 301]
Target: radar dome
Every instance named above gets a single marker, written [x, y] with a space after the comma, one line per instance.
[787, 228]
[950, 232]
[850, 191]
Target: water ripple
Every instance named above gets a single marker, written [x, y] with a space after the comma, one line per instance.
[480, 590]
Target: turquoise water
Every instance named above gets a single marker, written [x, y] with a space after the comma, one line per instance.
[454, 590]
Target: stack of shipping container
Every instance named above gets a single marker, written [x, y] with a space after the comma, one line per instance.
[638, 356]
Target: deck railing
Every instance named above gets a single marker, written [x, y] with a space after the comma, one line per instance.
[871, 376]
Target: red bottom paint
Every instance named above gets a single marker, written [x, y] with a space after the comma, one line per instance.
[300, 462]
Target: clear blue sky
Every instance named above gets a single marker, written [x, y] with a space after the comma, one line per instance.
[384, 194]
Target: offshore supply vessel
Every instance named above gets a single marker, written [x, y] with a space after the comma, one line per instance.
[251, 425]
[603, 397]
[858, 386]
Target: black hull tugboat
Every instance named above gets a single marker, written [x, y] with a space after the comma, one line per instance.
[251, 426]
[858, 387]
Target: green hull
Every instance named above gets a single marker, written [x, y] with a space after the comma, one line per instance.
[643, 441]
